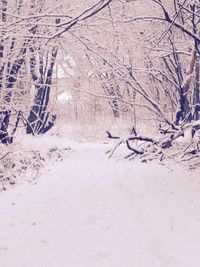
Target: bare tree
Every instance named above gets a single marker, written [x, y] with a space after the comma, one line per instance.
[29, 37]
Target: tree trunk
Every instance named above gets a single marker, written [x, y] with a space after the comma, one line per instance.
[111, 90]
[185, 112]
[196, 96]
[39, 121]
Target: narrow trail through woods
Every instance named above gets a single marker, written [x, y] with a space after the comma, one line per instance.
[88, 211]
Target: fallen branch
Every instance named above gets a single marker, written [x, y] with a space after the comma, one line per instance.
[148, 149]
[111, 136]
[138, 152]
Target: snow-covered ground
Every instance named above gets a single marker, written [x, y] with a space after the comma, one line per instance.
[88, 211]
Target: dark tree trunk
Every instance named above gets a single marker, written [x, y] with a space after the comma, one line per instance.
[11, 79]
[196, 96]
[185, 112]
[4, 113]
[4, 137]
[9, 74]
[39, 121]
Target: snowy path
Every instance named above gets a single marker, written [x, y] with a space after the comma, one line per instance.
[92, 212]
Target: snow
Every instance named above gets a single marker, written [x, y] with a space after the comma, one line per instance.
[64, 97]
[88, 211]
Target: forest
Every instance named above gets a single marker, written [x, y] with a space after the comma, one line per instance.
[111, 81]
[140, 66]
